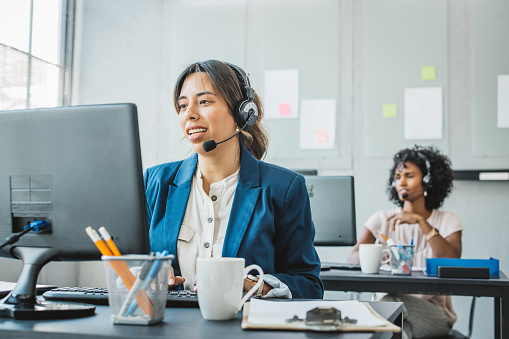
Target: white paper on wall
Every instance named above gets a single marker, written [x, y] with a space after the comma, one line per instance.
[423, 113]
[281, 94]
[503, 101]
[317, 124]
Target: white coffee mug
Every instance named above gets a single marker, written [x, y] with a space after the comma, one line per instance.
[220, 282]
[370, 257]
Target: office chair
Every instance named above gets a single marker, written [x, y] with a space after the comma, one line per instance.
[453, 334]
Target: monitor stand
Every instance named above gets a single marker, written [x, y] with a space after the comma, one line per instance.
[22, 303]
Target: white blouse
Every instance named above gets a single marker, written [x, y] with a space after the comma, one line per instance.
[204, 225]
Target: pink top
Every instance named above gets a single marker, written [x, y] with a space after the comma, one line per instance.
[447, 223]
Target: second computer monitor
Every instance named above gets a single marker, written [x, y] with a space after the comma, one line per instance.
[332, 201]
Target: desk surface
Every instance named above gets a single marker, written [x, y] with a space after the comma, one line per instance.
[178, 323]
[418, 282]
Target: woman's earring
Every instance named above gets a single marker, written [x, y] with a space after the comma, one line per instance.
[425, 193]
[237, 129]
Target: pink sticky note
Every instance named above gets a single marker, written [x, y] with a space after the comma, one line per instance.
[321, 136]
[284, 109]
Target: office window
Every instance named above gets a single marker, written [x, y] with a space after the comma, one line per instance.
[36, 49]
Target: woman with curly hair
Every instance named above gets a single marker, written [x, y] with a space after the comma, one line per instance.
[419, 181]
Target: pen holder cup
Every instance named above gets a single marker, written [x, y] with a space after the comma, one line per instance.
[401, 259]
[137, 288]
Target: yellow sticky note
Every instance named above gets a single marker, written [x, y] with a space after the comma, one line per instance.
[428, 73]
[390, 111]
[321, 136]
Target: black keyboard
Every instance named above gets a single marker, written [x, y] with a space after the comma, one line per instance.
[340, 265]
[99, 296]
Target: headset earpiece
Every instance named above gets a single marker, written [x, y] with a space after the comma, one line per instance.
[247, 111]
[426, 180]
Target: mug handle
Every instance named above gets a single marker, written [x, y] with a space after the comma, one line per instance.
[386, 261]
[255, 287]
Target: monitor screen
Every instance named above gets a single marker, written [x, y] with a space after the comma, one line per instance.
[74, 166]
[332, 201]
[69, 167]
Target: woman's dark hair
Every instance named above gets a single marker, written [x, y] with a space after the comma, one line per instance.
[230, 86]
[441, 174]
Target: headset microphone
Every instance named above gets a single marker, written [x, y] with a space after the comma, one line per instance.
[210, 145]
[406, 195]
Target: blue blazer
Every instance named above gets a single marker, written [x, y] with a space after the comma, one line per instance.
[270, 222]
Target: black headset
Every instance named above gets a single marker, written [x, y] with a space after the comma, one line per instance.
[246, 113]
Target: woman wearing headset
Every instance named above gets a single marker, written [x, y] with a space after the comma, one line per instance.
[224, 201]
[419, 181]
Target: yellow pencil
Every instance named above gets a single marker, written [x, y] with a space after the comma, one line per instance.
[121, 269]
[96, 239]
[107, 237]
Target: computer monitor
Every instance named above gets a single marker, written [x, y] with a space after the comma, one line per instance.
[73, 166]
[332, 201]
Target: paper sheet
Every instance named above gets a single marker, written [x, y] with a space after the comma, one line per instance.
[387, 268]
[503, 101]
[423, 113]
[281, 94]
[317, 124]
[276, 312]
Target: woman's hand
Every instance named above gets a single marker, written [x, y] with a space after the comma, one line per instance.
[404, 218]
[248, 284]
[174, 281]
[449, 247]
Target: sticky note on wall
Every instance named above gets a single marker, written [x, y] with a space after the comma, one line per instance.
[428, 73]
[284, 109]
[390, 111]
[321, 136]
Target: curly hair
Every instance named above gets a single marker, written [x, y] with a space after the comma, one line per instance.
[441, 174]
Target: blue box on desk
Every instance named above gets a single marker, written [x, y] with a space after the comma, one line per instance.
[432, 265]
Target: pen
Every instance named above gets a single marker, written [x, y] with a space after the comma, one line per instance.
[154, 269]
[129, 299]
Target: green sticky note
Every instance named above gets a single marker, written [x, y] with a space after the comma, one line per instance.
[390, 111]
[428, 73]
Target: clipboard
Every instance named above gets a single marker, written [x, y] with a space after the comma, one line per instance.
[300, 326]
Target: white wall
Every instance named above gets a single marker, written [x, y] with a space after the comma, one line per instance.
[125, 54]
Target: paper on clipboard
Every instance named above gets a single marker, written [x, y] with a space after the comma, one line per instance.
[265, 314]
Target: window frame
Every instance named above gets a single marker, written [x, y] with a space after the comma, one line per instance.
[66, 58]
